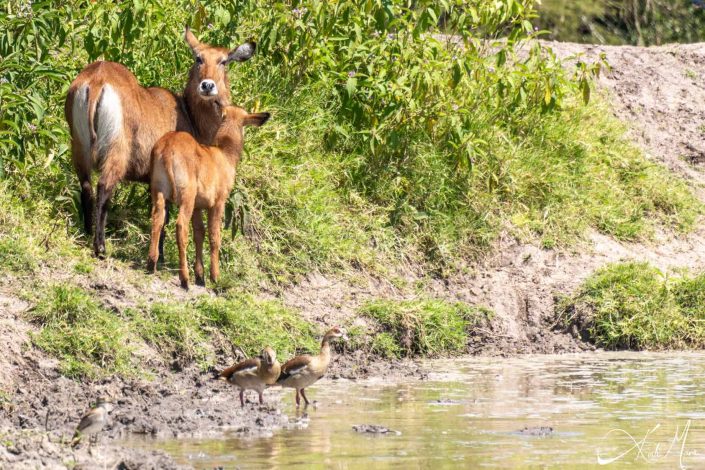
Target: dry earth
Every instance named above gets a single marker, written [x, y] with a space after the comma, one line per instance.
[659, 92]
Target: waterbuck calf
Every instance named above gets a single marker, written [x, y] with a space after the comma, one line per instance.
[115, 121]
[197, 177]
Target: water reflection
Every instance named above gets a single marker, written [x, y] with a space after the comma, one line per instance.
[631, 409]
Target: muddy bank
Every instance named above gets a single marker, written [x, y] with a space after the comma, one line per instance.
[34, 449]
[40, 408]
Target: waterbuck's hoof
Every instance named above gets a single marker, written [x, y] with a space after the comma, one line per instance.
[151, 266]
[201, 281]
[184, 284]
[100, 252]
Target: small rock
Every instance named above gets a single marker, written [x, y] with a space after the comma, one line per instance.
[374, 429]
[537, 431]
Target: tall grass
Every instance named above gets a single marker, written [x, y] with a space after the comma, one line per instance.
[388, 140]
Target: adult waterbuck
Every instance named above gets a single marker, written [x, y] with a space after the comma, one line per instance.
[115, 121]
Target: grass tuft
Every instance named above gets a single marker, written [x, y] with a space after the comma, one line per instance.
[635, 306]
[428, 327]
[251, 324]
[175, 330]
[90, 340]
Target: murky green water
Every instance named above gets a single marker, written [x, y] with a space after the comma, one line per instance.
[648, 408]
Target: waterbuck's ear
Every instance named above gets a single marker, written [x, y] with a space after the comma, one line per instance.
[243, 52]
[191, 39]
[256, 119]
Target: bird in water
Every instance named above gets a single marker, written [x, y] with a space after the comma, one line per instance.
[254, 374]
[92, 422]
[302, 371]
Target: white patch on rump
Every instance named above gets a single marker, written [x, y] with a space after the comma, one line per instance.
[107, 121]
[79, 114]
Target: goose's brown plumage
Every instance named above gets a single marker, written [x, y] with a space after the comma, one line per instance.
[305, 370]
[254, 374]
[92, 422]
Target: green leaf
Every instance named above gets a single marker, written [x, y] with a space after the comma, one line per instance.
[585, 87]
[351, 85]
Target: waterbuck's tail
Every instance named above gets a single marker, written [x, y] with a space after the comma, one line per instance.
[97, 120]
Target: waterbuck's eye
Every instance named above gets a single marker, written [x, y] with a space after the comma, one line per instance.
[199, 60]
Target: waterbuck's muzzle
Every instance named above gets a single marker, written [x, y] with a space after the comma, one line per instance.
[208, 88]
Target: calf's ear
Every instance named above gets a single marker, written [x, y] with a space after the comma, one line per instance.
[256, 119]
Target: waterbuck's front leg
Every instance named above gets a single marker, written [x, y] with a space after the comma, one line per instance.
[215, 220]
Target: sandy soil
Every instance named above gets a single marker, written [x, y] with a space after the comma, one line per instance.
[659, 92]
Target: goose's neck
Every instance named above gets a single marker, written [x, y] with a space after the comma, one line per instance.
[325, 350]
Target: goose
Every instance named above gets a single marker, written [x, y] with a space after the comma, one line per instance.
[303, 371]
[254, 374]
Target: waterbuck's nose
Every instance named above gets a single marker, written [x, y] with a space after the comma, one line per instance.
[208, 87]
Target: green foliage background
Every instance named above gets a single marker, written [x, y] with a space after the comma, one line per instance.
[640, 22]
[401, 130]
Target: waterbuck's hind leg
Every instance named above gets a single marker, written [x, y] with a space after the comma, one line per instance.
[162, 235]
[105, 192]
[157, 228]
[111, 174]
[87, 201]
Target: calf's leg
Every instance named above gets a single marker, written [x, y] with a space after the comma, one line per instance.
[199, 234]
[158, 206]
[215, 220]
[182, 223]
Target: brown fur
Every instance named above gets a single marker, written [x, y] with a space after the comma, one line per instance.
[197, 177]
[146, 115]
